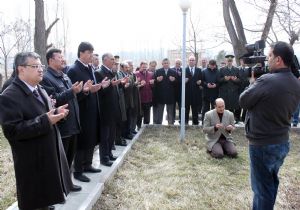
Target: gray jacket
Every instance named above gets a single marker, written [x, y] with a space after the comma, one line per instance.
[210, 120]
[270, 102]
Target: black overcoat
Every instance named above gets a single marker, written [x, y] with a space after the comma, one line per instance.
[108, 99]
[41, 169]
[165, 90]
[229, 89]
[89, 111]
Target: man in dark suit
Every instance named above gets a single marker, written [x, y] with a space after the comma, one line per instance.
[108, 100]
[89, 112]
[210, 86]
[59, 86]
[177, 68]
[165, 79]
[193, 93]
[29, 123]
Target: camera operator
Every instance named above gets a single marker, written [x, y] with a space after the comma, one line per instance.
[270, 101]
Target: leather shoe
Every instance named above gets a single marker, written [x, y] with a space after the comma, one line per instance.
[91, 169]
[122, 143]
[130, 136]
[51, 207]
[112, 158]
[134, 132]
[75, 188]
[106, 163]
[81, 177]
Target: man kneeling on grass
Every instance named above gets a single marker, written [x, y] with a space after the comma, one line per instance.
[217, 126]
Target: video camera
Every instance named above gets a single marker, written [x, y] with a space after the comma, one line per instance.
[255, 58]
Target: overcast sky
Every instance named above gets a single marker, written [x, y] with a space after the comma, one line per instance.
[132, 25]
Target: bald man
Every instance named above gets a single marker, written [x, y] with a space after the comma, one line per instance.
[218, 125]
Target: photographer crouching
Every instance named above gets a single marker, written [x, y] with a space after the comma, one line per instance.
[270, 100]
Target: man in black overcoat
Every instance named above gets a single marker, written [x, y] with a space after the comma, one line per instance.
[193, 93]
[229, 86]
[89, 115]
[29, 123]
[165, 83]
[109, 103]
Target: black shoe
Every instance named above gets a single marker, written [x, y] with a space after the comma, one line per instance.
[79, 176]
[130, 136]
[113, 147]
[112, 158]
[75, 188]
[122, 143]
[51, 207]
[91, 169]
[106, 163]
[134, 132]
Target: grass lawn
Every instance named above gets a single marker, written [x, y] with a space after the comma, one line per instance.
[160, 173]
[7, 175]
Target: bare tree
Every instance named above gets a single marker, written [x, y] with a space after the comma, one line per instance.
[13, 37]
[288, 17]
[236, 29]
[194, 40]
[41, 34]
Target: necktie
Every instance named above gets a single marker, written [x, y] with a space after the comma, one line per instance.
[166, 71]
[192, 70]
[38, 96]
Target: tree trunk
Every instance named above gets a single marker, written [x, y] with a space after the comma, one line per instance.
[269, 21]
[40, 31]
[236, 34]
[5, 68]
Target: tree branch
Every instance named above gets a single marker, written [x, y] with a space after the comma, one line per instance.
[50, 27]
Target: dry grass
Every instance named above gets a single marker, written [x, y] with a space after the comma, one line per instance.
[7, 176]
[159, 173]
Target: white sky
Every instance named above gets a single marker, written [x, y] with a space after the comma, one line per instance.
[131, 25]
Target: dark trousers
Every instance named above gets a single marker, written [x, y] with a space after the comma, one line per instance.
[107, 137]
[146, 114]
[223, 147]
[118, 136]
[195, 110]
[265, 162]
[70, 144]
[208, 104]
[160, 113]
[126, 125]
[83, 158]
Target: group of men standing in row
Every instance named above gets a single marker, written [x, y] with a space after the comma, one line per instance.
[55, 117]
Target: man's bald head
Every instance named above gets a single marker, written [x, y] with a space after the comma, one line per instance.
[220, 105]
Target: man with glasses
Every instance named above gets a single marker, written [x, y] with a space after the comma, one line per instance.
[229, 86]
[270, 101]
[29, 123]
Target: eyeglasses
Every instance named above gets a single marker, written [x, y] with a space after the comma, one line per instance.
[36, 66]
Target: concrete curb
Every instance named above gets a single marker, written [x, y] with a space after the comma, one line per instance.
[91, 191]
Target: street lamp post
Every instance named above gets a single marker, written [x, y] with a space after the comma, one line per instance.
[184, 5]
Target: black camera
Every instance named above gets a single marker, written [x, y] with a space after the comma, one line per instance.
[255, 58]
[255, 53]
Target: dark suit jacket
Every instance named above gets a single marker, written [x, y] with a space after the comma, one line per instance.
[41, 168]
[59, 86]
[88, 107]
[108, 99]
[165, 90]
[193, 90]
